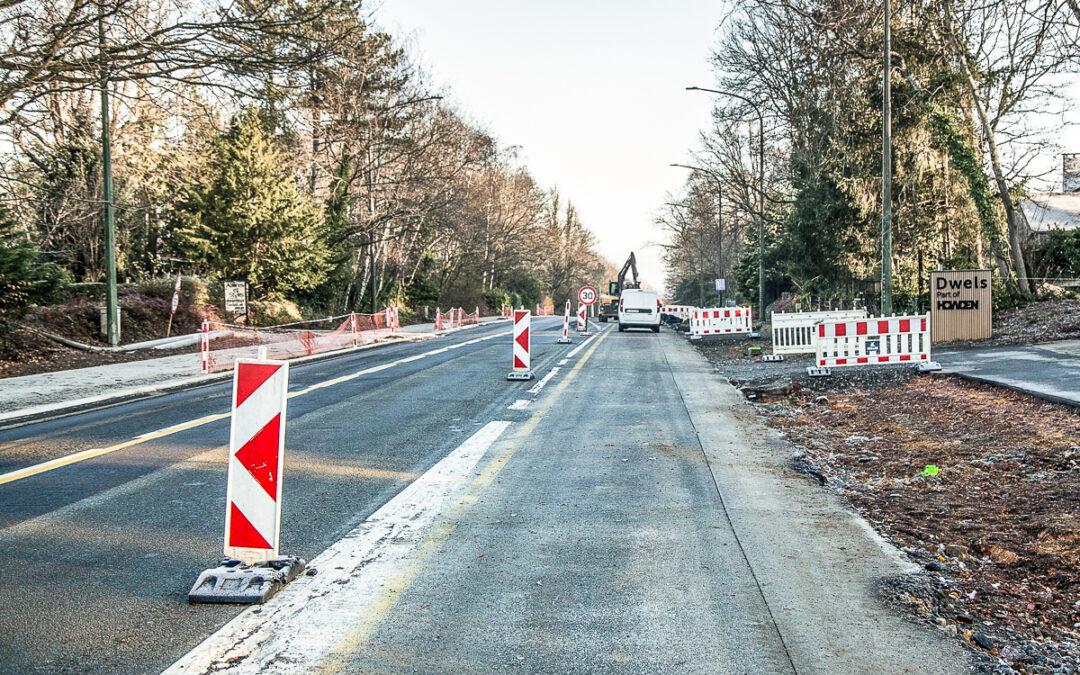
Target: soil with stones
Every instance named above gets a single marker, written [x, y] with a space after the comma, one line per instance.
[980, 485]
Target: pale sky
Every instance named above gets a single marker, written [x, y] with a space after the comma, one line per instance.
[592, 92]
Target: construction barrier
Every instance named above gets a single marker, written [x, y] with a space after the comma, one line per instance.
[895, 339]
[256, 454]
[796, 332]
[565, 337]
[720, 321]
[679, 311]
[252, 570]
[289, 341]
[506, 312]
[582, 319]
[522, 347]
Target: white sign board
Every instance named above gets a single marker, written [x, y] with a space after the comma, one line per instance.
[721, 285]
[235, 297]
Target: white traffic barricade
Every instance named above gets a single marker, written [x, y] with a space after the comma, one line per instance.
[873, 341]
[582, 319]
[679, 311]
[253, 570]
[720, 321]
[796, 332]
[522, 369]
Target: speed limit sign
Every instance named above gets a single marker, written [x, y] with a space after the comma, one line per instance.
[586, 295]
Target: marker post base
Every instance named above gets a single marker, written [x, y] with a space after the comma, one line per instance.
[520, 375]
[563, 341]
[232, 582]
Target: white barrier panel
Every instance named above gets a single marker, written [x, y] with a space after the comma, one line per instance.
[720, 321]
[522, 346]
[680, 311]
[896, 339]
[582, 321]
[256, 457]
[795, 333]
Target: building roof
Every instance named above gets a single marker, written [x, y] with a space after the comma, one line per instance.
[1052, 211]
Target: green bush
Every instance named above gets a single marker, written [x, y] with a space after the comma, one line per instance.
[26, 276]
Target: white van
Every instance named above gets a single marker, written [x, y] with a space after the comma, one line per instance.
[639, 309]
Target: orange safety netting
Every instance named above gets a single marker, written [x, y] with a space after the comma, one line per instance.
[455, 318]
[290, 341]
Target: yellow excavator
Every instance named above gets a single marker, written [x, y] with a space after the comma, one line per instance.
[609, 302]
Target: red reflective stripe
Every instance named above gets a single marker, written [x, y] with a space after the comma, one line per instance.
[841, 362]
[922, 324]
[882, 327]
[242, 533]
[518, 363]
[882, 359]
[260, 456]
[860, 328]
[251, 376]
[821, 330]
[922, 356]
[841, 329]
[905, 325]
[821, 362]
[862, 359]
[905, 357]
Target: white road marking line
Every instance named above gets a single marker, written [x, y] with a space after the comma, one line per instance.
[575, 350]
[563, 362]
[299, 628]
[519, 404]
[84, 455]
[535, 389]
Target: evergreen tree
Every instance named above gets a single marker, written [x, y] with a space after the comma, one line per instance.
[25, 276]
[246, 221]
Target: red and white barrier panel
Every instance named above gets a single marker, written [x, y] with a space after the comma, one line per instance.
[720, 321]
[392, 320]
[582, 319]
[680, 311]
[565, 337]
[522, 360]
[253, 492]
[882, 340]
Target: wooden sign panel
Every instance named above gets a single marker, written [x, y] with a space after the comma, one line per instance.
[960, 305]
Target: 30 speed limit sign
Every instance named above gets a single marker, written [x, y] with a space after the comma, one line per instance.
[586, 295]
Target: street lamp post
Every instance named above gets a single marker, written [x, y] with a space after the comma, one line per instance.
[719, 218]
[761, 191]
[108, 222]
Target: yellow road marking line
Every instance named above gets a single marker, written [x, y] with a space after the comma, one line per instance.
[440, 532]
[82, 456]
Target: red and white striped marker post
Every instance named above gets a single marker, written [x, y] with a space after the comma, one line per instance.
[438, 319]
[582, 320]
[256, 457]
[522, 346]
[204, 346]
[564, 339]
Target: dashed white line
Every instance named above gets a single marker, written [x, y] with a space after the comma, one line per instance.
[535, 389]
[519, 404]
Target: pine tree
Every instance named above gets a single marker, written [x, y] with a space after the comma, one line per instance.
[246, 221]
[25, 277]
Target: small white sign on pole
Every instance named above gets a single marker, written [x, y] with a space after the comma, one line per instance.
[236, 297]
[721, 285]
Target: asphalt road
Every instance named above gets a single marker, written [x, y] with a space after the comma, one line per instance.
[1050, 370]
[96, 557]
[626, 512]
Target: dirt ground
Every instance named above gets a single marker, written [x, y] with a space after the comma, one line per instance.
[997, 526]
[1037, 322]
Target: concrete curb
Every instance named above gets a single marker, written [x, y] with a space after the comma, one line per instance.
[49, 411]
[981, 379]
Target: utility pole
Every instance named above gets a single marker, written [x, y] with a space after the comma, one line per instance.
[886, 170]
[720, 235]
[108, 221]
